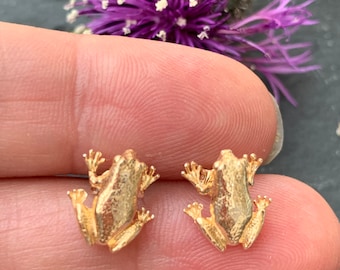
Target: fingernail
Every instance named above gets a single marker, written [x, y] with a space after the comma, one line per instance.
[278, 137]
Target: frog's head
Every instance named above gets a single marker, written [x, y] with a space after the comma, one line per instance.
[226, 157]
[129, 154]
[128, 161]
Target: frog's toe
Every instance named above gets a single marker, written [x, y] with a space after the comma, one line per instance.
[262, 202]
[194, 210]
[144, 216]
[77, 195]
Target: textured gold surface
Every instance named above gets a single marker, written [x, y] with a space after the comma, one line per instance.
[113, 219]
[233, 220]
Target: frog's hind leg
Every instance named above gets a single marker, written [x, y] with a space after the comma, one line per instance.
[255, 224]
[85, 215]
[124, 237]
[208, 225]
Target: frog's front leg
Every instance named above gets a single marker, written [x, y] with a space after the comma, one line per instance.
[208, 225]
[202, 179]
[253, 163]
[254, 226]
[93, 160]
[85, 215]
[124, 237]
[148, 178]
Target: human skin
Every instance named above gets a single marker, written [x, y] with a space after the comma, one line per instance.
[62, 94]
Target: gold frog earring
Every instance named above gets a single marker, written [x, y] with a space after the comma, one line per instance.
[113, 219]
[232, 219]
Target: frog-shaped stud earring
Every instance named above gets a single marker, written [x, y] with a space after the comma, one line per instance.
[113, 219]
[233, 220]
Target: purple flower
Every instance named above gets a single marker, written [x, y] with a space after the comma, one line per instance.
[260, 40]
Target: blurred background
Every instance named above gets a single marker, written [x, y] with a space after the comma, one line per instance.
[311, 149]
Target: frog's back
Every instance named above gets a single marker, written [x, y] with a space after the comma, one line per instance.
[233, 205]
[117, 201]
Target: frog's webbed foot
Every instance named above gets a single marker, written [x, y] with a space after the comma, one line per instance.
[85, 215]
[208, 225]
[194, 211]
[126, 236]
[144, 216]
[93, 160]
[253, 163]
[202, 179]
[254, 226]
[262, 202]
[148, 178]
[77, 196]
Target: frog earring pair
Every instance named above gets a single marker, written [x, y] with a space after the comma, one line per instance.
[114, 220]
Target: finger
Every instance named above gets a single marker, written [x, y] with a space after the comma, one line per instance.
[38, 226]
[63, 94]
